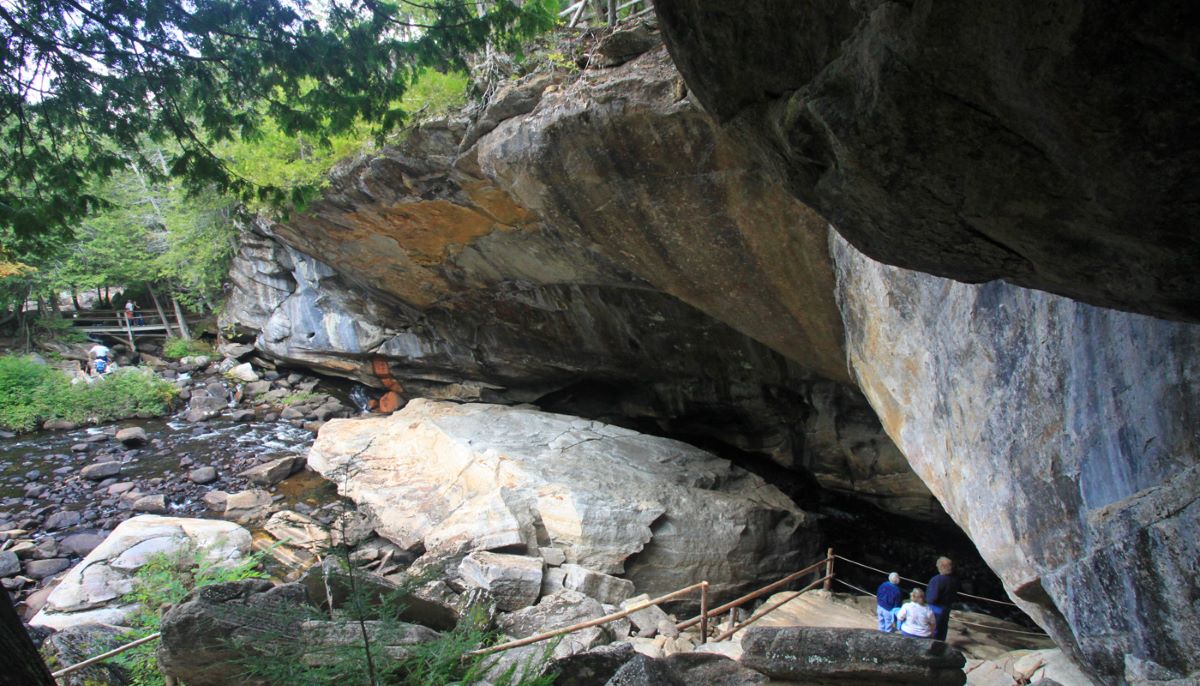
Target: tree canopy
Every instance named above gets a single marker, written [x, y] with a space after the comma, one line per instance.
[85, 83]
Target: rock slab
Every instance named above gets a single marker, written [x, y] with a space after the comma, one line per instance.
[862, 657]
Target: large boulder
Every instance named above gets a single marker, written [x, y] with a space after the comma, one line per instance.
[477, 477]
[855, 657]
[207, 634]
[1061, 437]
[271, 473]
[91, 591]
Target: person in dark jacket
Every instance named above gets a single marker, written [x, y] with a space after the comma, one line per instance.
[941, 594]
[887, 602]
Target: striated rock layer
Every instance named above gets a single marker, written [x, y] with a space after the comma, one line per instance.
[662, 277]
[1062, 438]
[1050, 144]
[448, 478]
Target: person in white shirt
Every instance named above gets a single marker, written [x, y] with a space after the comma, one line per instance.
[916, 619]
[99, 352]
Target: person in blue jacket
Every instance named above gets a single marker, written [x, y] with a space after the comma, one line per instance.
[941, 594]
[887, 602]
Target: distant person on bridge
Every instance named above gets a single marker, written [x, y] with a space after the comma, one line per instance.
[887, 602]
[98, 359]
[916, 619]
[942, 592]
[131, 313]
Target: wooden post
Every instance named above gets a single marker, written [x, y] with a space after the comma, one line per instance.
[23, 665]
[829, 571]
[158, 306]
[129, 332]
[703, 604]
[179, 318]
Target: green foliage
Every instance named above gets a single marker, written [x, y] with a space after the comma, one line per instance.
[60, 330]
[31, 393]
[176, 348]
[83, 85]
[299, 397]
[162, 582]
[561, 61]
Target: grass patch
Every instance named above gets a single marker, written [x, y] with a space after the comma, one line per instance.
[31, 393]
[176, 348]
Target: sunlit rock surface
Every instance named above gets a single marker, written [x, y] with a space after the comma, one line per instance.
[445, 477]
[1062, 438]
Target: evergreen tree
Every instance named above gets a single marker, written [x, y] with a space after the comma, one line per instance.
[83, 83]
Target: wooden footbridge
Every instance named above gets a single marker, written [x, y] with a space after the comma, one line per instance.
[117, 324]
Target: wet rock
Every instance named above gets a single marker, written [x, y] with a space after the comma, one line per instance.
[202, 475]
[242, 416]
[244, 507]
[244, 372]
[257, 388]
[851, 656]
[59, 425]
[215, 500]
[132, 437]
[10, 564]
[291, 413]
[74, 644]
[40, 569]
[154, 504]
[92, 589]
[81, 447]
[98, 438]
[273, 472]
[80, 544]
[608, 589]
[100, 470]
[33, 475]
[63, 519]
[514, 580]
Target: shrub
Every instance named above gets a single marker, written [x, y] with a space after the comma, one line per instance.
[31, 393]
[175, 348]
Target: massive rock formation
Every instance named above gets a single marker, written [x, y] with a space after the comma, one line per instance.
[1062, 438]
[604, 247]
[526, 270]
[448, 478]
[1047, 144]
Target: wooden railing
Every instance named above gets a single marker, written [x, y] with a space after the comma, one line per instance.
[605, 12]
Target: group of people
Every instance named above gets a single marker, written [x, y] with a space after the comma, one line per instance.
[927, 613]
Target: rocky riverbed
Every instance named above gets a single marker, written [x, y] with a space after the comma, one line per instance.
[233, 441]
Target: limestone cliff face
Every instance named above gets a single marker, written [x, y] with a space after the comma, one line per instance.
[1049, 144]
[1062, 438]
[600, 246]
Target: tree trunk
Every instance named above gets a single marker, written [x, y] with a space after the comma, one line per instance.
[75, 299]
[179, 319]
[25, 665]
[54, 311]
[612, 12]
[161, 315]
[99, 298]
[107, 298]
